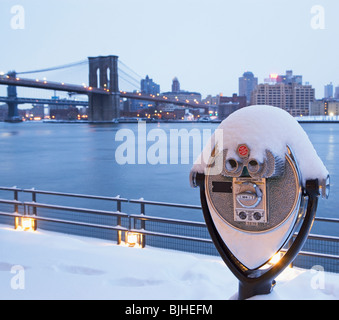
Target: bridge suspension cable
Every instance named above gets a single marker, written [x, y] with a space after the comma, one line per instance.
[125, 72]
[131, 83]
[129, 75]
[136, 82]
[65, 66]
[127, 67]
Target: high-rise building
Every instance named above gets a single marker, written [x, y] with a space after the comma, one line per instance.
[247, 84]
[292, 97]
[183, 95]
[328, 91]
[148, 86]
[287, 78]
[175, 85]
[336, 93]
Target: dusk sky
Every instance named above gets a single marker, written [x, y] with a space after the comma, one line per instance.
[208, 45]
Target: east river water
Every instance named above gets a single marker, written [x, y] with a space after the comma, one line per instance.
[81, 158]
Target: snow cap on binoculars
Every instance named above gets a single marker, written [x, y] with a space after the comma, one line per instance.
[258, 137]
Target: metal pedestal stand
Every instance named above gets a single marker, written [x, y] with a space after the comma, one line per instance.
[257, 282]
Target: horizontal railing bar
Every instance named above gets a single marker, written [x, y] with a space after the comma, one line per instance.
[315, 254]
[172, 236]
[74, 209]
[323, 219]
[15, 202]
[75, 195]
[165, 204]
[318, 255]
[10, 189]
[13, 215]
[323, 237]
[313, 236]
[168, 220]
[78, 223]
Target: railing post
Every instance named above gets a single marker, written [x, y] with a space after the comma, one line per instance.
[16, 198]
[143, 225]
[16, 208]
[119, 222]
[35, 212]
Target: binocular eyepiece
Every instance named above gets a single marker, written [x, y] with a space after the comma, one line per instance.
[270, 167]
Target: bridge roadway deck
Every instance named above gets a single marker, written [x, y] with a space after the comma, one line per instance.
[60, 86]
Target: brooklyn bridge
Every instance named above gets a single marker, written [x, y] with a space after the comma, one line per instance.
[102, 90]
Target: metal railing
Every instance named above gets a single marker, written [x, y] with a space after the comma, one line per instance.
[153, 230]
[29, 209]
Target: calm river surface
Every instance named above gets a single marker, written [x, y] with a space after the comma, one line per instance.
[80, 158]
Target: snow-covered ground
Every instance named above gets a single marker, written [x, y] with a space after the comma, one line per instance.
[47, 265]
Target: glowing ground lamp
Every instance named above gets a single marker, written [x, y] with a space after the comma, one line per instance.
[25, 223]
[132, 239]
[254, 198]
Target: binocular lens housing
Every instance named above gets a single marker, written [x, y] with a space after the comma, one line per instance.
[231, 165]
[253, 166]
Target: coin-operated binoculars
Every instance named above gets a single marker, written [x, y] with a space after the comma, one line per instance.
[260, 179]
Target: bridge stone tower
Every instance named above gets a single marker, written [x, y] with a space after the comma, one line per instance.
[103, 73]
[13, 113]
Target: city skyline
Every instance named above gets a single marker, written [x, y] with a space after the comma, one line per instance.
[187, 39]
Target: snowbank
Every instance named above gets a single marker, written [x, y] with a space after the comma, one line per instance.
[55, 266]
[264, 128]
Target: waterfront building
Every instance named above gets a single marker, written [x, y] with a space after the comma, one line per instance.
[3, 112]
[70, 113]
[287, 93]
[211, 100]
[38, 111]
[317, 108]
[247, 84]
[324, 107]
[228, 105]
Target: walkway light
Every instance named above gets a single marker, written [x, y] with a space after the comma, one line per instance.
[132, 239]
[25, 224]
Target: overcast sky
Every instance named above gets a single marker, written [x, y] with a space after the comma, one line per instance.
[208, 44]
